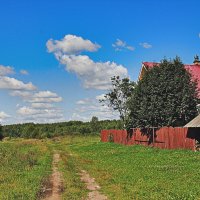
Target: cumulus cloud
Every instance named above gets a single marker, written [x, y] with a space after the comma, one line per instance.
[5, 70]
[71, 44]
[6, 82]
[93, 74]
[146, 45]
[120, 45]
[24, 72]
[38, 97]
[14, 84]
[3, 115]
[42, 105]
[89, 107]
[45, 94]
[45, 100]
[83, 101]
[22, 94]
[40, 115]
[100, 97]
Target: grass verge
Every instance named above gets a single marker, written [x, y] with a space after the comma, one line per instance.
[24, 164]
[136, 172]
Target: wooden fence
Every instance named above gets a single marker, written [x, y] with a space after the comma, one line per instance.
[164, 138]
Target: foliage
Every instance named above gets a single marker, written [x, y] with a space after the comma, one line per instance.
[31, 130]
[165, 96]
[118, 96]
[94, 124]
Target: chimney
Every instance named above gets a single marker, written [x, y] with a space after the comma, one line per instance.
[196, 60]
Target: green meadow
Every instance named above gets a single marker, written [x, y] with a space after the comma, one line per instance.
[24, 166]
[123, 172]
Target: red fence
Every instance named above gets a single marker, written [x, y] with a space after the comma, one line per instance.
[164, 138]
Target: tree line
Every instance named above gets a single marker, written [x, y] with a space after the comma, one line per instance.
[31, 130]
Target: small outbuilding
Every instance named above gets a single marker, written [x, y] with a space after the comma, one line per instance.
[194, 127]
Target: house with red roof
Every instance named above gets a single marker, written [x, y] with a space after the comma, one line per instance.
[194, 69]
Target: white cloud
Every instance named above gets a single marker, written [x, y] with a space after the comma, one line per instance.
[14, 84]
[100, 97]
[71, 44]
[45, 100]
[3, 115]
[22, 94]
[87, 108]
[41, 108]
[45, 94]
[24, 72]
[5, 70]
[83, 101]
[199, 35]
[28, 111]
[78, 117]
[28, 114]
[94, 75]
[120, 45]
[146, 45]
[38, 97]
[42, 105]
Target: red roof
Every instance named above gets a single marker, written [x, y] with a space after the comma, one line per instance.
[193, 69]
[150, 64]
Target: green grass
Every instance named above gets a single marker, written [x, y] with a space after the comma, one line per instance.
[70, 166]
[136, 172]
[24, 164]
[123, 172]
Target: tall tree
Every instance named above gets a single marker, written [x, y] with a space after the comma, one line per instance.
[94, 124]
[119, 95]
[165, 96]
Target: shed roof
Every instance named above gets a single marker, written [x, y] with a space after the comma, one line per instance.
[194, 123]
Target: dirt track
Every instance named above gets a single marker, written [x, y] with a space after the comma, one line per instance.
[56, 180]
[94, 194]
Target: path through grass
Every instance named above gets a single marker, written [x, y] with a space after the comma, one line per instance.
[136, 172]
[123, 172]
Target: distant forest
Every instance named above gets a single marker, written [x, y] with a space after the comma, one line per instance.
[31, 130]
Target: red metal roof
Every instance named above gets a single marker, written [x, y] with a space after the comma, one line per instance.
[193, 69]
[150, 64]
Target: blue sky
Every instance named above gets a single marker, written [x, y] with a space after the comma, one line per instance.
[68, 50]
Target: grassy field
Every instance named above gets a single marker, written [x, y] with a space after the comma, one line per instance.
[123, 172]
[24, 165]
